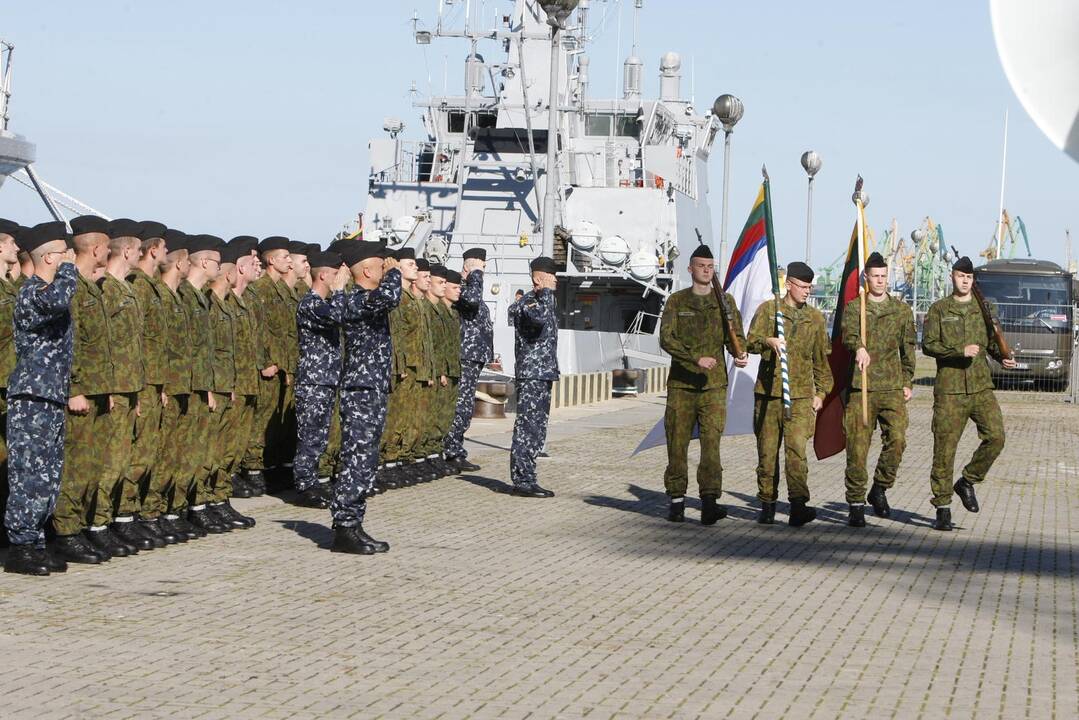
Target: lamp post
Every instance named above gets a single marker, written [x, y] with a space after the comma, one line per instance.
[811, 162]
[728, 110]
[916, 236]
[557, 12]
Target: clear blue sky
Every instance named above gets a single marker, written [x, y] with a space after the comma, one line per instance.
[253, 117]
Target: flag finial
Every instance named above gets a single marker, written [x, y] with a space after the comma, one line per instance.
[764, 172]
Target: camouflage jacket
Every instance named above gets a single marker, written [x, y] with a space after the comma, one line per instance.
[368, 347]
[890, 339]
[949, 326]
[290, 350]
[178, 351]
[535, 345]
[808, 348]
[91, 366]
[245, 354]
[264, 340]
[199, 337]
[450, 339]
[149, 291]
[318, 332]
[412, 352]
[43, 337]
[692, 327]
[223, 336]
[477, 329]
[8, 292]
[125, 334]
[273, 320]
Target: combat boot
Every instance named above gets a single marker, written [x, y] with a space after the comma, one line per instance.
[944, 519]
[389, 478]
[965, 490]
[169, 527]
[380, 546]
[856, 517]
[102, 551]
[54, 562]
[801, 514]
[231, 515]
[878, 498]
[240, 487]
[677, 510]
[325, 489]
[105, 541]
[130, 535]
[181, 524]
[206, 521]
[72, 548]
[311, 498]
[346, 540]
[156, 528]
[767, 515]
[256, 482]
[711, 511]
[26, 560]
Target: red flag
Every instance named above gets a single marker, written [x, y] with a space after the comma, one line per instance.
[829, 437]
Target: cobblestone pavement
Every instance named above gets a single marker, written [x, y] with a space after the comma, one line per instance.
[589, 604]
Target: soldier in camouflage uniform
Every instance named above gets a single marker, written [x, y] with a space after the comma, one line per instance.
[808, 347]
[9, 289]
[318, 373]
[694, 334]
[888, 356]
[955, 333]
[448, 405]
[295, 286]
[477, 349]
[365, 384]
[536, 367]
[37, 392]
[247, 357]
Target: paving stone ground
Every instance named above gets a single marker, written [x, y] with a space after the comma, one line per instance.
[588, 605]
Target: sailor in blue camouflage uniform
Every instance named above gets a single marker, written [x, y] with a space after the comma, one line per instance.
[365, 387]
[536, 367]
[318, 372]
[477, 349]
[37, 397]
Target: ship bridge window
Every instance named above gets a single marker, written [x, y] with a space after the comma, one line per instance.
[599, 124]
[455, 120]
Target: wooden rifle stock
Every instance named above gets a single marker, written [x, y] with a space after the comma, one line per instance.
[728, 319]
[992, 324]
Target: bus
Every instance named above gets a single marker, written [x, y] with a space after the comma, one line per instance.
[1035, 302]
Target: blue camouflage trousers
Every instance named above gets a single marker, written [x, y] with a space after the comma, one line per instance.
[314, 412]
[35, 439]
[529, 429]
[363, 417]
[453, 446]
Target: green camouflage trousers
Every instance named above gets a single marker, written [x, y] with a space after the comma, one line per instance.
[399, 409]
[424, 422]
[264, 428]
[84, 465]
[220, 451]
[116, 492]
[193, 437]
[950, 415]
[888, 409]
[168, 460]
[330, 461]
[687, 409]
[772, 430]
[146, 445]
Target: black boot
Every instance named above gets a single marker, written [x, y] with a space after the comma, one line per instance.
[170, 528]
[711, 511]
[26, 560]
[180, 523]
[54, 562]
[207, 522]
[312, 498]
[103, 551]
[72, 548]
[800, 513]
[105, 541]
[346, 540]
[677, 510]
[256, 481]
[127, 533]
[856, 518]
[767, 515]
[879, 500]
[231, 515]
[944, 519]
[463, 465]
[965, 490]
[165, 534]
[240, 486]
[380, 546]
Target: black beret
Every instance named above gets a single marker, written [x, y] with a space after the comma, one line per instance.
[275, 242]
[311, 248]
[543, 264]
[295, 247]
[383, 251]
[231, 253]
[123, 227]
[477, 253]
[702, 251]
[175, 240]
[89, 224]
[338, 245]
[202, 243]
[246, 243]
[405, 254]
[357, 251]
[800, 271]
[9, 227]
[31, 239]
[149, 230]
[452, 276]
[423, 264]
[324, 259]
[875, 260]
[964, 265]
[438, 270]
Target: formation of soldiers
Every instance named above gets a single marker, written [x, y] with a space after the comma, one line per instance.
[955, 334]
[150, 376]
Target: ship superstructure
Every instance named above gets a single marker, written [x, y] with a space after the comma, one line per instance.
[627, 178]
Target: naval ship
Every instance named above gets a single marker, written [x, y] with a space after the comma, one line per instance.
[528, 161]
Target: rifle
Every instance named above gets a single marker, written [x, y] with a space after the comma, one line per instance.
[992, 324]
[729, 323]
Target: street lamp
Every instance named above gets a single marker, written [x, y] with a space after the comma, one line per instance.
[728, 110]
[811, 162]
[557, 12]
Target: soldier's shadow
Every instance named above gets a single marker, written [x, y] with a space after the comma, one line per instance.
[653, 503]
[321, 535]
[898, 515]
[487, 483]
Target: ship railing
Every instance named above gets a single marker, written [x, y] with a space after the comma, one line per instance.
[419, 162]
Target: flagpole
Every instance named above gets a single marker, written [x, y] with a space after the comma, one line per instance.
[784, 370]
[860, 199]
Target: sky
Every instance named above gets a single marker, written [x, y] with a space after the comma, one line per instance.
[240, 117]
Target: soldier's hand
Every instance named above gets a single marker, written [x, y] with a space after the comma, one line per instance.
[706, 363]
[862, 359]
[908, 393]
[971, 351]
[401, 376]
[742, 361]
[288, 379]
[443, 380]
[268, 372]
[138, 408]
[1008, 363]
[776, 344]
[211, 401]
[78, 405]
[164, 399]
[817, 404]
[232, 397]
[112, 403]
[389, 264]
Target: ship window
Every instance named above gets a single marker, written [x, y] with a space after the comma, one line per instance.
[598, 124]
[455, 122]
[486, 120]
